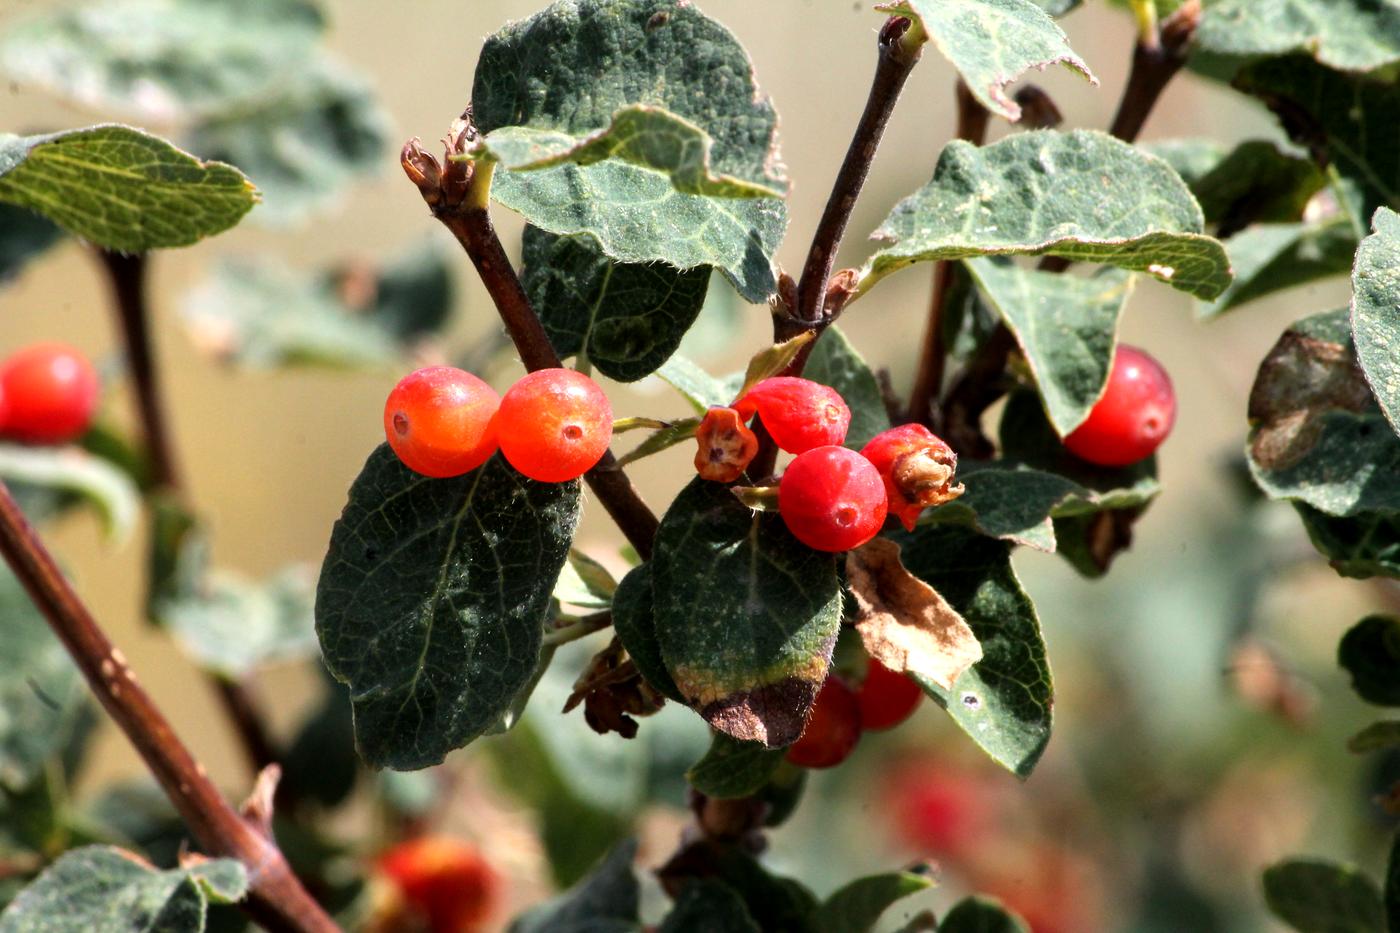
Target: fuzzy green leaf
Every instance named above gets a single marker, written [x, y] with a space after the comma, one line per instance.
[1321, 897]
[1370, 653]
[679, 431]
[163, 60]
[835, 362]
[992, 43]
[73, 473]
[1067, 327]
[570, 68]
[624, 318]
[746, 616]
[107, 889]
[1375, 312]
[634, 621]
[1269, 258]
[1341, 34]
[856, 907]
[981, 915]
[702, 390]
[1082, 195]
[433, 599]
[1004, 701]
[121, 188]
[24, 235]
[732, 769]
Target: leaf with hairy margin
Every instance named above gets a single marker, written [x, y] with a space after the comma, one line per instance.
[746, 615]
[733, 769]
[121, 188]
[1067, 327]
[1081, 195]
[1004, 701]
[624, 318]
[1341, 34]
[106, 888]
[571, 67]
[24, 235]
[1370, 653]
[1375, 312]
[164, 60]
[433, 599]
[982, 915]
[1322, 897]
[1269, 258]
[992, 43]
[836, 363]
[856, 907]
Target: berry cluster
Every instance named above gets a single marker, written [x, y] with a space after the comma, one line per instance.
[883, 700]
[48, 394]
[553, 425]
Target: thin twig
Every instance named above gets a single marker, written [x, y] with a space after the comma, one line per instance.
[276, 898]
[580, 628]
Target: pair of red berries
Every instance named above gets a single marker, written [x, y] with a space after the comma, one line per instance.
[839, 715]
[831, 498]
[48, 394]
[552, 425]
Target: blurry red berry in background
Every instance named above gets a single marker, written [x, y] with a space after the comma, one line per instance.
[832, 730]
[886, 697]
[50, 392]
[1052, 888]
[443, 884]
[799, 414]
[939, 810]
[1132, 417]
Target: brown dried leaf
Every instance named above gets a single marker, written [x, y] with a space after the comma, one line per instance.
[905, 624]
[1302, 379]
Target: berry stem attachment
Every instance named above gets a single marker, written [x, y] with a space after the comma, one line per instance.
[276, 899]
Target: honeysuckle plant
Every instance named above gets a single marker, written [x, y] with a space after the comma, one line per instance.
[772, 610]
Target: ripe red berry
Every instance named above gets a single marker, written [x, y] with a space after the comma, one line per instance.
[917, 468]
[50, 391]
[726, 445]
[799, 414]
[1132, 418]
[554, 425]
[832, 730]
[832, 499]
[439, 421]
[442, 882]
[886, 697]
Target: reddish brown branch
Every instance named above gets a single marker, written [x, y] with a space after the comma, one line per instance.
[276, 898]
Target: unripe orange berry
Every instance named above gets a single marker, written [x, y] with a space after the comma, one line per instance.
[554, 425]
[439, 421]
[443, 882]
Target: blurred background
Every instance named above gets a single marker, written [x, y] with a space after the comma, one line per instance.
[1180, 765]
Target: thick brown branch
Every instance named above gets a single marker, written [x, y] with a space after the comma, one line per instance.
[276, 899]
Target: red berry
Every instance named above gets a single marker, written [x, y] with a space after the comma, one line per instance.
[51, 392]
[832, 499]
[832, 730]
[799, 414]
[886, 697]
[940, 810]
[726, 445]
[554, 425]
[442, 882]
[1132, 418]
[439, 421]
[917, 468]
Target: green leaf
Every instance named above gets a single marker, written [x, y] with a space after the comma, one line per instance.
[1341, 34]
[303, 145]
[624, 318]
[585, 583]
[320, 762]
[73, 472]
[122, 189]
[1057, 7]
[1272, 257]
[1257, 182]
[982, 915]
[648, 137]
[835, 362]
[856, 907]
[1370, 653]
[1066, 325]
[707, 906]
[41, 694]
[679, 431]
[772, 360]
[733, 769]
[1375, 311]
[774, 902]
[23, 236]
[234, 625]
[1364, 546]
[746, 616]
[1320, 897]
[1082, 195]
[572, 67]
[105, 888]
[634, 621]
[702, 390]
[1392, 887]
[992, 43]
[1341, 119]
[433, 599]
[1378, 736]
[164, 60]
[1004, 701]
[258, 313]
[607, 901]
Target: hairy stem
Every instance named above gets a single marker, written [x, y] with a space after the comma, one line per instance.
[276, 898]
